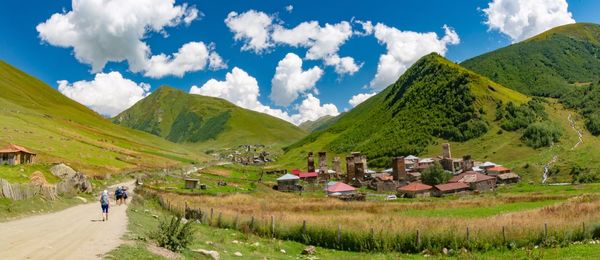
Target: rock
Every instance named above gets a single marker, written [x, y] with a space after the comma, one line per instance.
[238, 254]
[212, 254]
[210, 243]
[235, 242]
[445, 251]
[63, 171]
[282, 251]
[155, 216]
[84, 200]
[146, 211]
[309, 250]
[72, 180]
[256, 244]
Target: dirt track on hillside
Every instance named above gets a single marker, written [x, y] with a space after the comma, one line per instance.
[74, 233]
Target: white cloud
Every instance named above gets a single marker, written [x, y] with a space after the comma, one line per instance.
[113, 31]
[290, 80]
[311, 109]
[521, 19]
[289, 8]
[359, 98]
[242, 90]
[404, 48]
[192, 56]
[252, 27]
[323, 43]
[108, 93]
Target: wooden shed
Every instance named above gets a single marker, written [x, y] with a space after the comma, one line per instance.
[15, 155]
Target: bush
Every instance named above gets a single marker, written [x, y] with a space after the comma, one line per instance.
[173, 234]
[596, 231]
[435, 175]
[541, 134]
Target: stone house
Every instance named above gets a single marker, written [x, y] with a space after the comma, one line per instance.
[414, 190]
[14, 155]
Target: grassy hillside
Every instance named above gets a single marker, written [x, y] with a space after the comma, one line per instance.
[319, 124]
[548, 64]
[434, 99]
[213, 122]
[59, 129]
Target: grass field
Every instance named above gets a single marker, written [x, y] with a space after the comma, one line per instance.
[228, 241]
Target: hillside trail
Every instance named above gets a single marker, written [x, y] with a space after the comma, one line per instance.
[74, 233]
[555, 157]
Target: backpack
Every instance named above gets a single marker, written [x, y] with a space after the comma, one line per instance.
[104, 199]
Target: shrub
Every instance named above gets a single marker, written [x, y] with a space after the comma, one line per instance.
[435, 175]
[173, 234]
[596, 231]
[541, 134]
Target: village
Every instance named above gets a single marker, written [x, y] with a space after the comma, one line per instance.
[403, 178]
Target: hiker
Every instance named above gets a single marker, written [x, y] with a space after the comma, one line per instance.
[125, 195]
[119, 195]
[104, 203]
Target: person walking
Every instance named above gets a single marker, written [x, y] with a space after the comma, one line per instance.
[119, 195]
[124, 195]
[104, 204]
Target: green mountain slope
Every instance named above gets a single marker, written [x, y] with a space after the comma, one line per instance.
[59, 129]
[548, 64]
[212, 122]
[319, 124]
[435, 98]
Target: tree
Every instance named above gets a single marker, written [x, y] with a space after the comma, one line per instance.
[435, 175]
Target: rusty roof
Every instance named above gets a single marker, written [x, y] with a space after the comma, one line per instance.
[498, 169]
[415, 186]
[451, 186]
[470, 176]
[13, 148]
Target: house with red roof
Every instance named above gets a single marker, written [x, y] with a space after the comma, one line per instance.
[306, 176]
[497, 170]
[13, 154]
[414, 190]
[340, 188]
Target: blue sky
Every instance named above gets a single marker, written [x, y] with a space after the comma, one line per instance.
[39, 52]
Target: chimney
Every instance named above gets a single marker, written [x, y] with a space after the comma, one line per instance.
[399, 168]
[311, 162]
[322, 162]
[349, 168]
[446, 151]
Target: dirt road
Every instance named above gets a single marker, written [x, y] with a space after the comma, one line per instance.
[74, 233]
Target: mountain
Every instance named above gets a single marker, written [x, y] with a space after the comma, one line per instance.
[434, 99]
[319, 124]
[187, 118]
[548, 64]
[58, 129]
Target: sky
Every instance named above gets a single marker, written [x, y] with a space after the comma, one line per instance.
[296, 60]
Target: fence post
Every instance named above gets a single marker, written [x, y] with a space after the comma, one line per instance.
[339, 234]
[418, 238]
[468, 234]
[211, 216]
[273, 225]
[546, 230]
[303, 228]
[503, 235]
[252, 224]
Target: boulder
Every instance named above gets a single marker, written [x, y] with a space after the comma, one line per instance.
[63, 171]
[71, 180]
[309, 250]
[238, 254]
[212, 254]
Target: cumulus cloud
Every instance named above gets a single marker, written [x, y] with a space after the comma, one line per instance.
[113, 31]
[311, 109]
[521, 19]
[242, 89]
[252, 27]
[108, 93]
[290, 80]
[404, 48]
[192, 56]
[323, 42]
[289, 8]
[359, 98]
